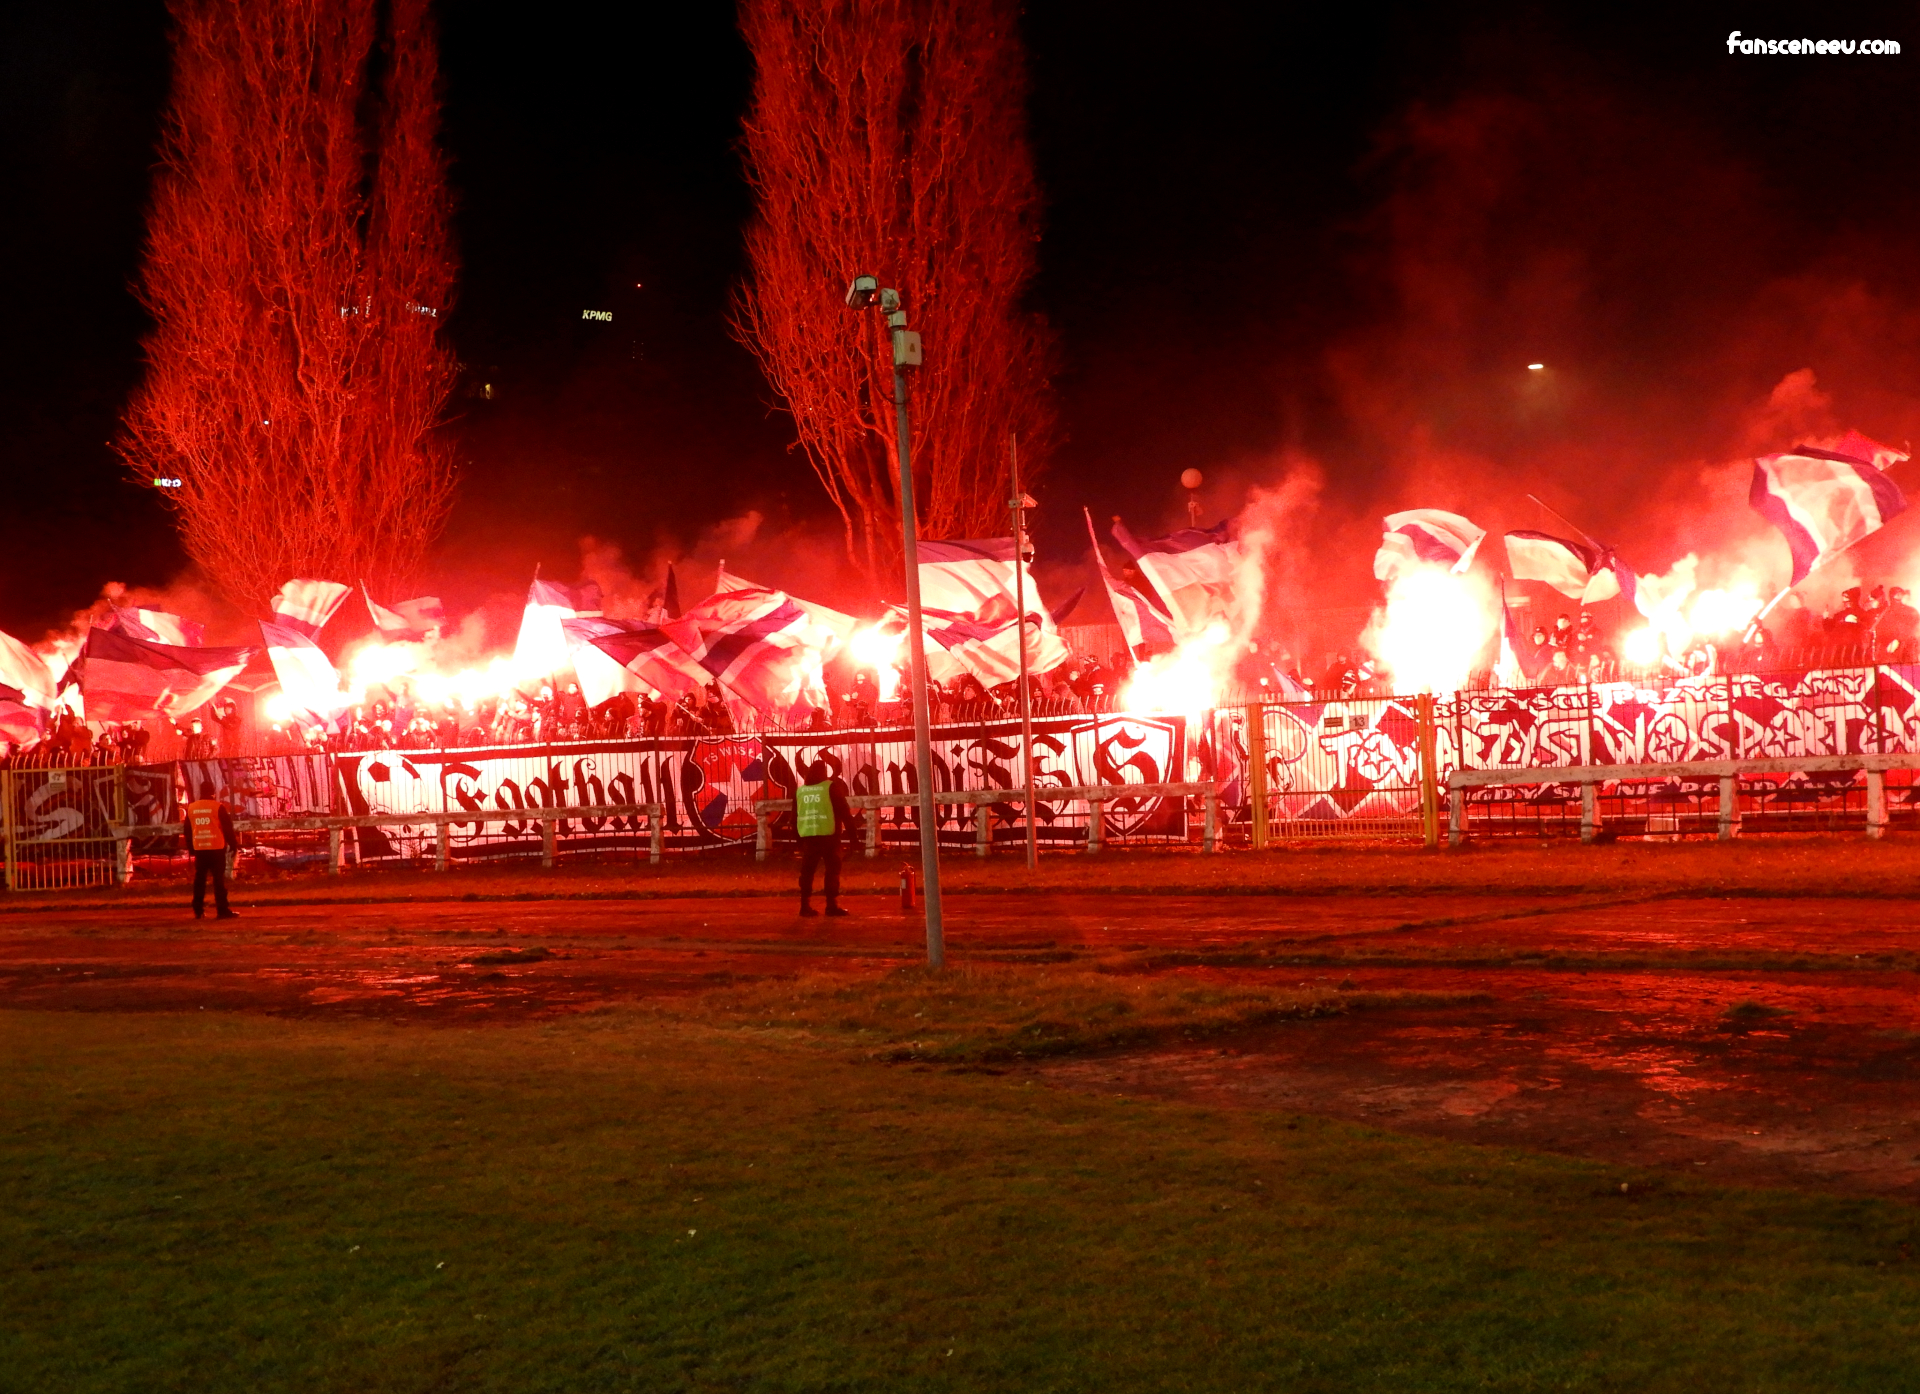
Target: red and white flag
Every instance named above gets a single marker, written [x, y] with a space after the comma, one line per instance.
[126, 679]
[307, 605]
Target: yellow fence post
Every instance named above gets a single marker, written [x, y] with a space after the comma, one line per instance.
[1429, 782]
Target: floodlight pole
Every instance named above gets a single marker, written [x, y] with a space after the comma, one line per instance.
[1018, 504]
[906, 354]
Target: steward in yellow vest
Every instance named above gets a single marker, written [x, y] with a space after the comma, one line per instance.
[210, 833]
[820, 815]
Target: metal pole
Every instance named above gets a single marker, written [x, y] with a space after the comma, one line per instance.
[917, 654]
[1257, 772]
[1026, 695]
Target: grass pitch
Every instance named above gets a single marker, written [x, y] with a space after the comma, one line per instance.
[708, 1198]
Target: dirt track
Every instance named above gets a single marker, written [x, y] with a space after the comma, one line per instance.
[1609, 1034]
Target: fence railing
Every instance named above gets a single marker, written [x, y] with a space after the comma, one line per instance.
[55, 826]
[1094, 796]
[337, 825]
[1589, 778]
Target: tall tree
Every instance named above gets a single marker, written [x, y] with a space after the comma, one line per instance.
[298, 269]
[889, 136]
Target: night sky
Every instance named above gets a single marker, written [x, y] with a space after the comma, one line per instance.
[1327, 245]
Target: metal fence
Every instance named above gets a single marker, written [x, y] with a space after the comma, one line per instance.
[1717, 797]
[1369, 767]
[58, 825]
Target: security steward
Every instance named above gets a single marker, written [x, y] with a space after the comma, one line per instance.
[820, 815]
[210, 829]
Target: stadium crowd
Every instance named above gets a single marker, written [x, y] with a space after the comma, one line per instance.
[1867, 625]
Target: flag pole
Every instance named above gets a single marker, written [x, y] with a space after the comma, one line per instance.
[1018, 506]
[1767, 609]
[1592, 541]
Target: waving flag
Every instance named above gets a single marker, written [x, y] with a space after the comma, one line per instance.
[826, 629]
[1865, 449]
[408, 619]
[1142, 618]
[664, 604]
[583, 599]
[541, 647]
[308, 679]
[20, 721]
[612, 656]
[307, 605]
[1822, 501]
[1429, 536]
[125, 679]
[976, 576]
[1195, 570]
[155, 626]
[990, 651]
[755, 643]
[1577, 570]
[25, 671]
[26, 691]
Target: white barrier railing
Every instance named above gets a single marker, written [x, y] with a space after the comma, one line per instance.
[1094, 796]
[1728, 772]
[335, 824]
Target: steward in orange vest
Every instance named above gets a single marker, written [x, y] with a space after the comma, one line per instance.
[210, 832]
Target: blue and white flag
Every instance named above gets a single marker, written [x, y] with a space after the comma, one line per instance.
[987, 649]
[1196, 572]
[1143, 619]
[155, 626]
[1822, 501]
[1577, 570]
[540, 650]
[612, 656]
[1426, 536]
[756, 644]
[827, 629]
[26, 691]
[407, 619]
[307, 605]
[308, 679]
[977, 576]
[583, 599]
[126, 679]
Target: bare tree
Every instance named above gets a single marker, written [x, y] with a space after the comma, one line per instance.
[298, 268]
[889, 136]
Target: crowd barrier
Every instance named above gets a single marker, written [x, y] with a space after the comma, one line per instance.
[1098, 800]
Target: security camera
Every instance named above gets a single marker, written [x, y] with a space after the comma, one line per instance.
[862, 293]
